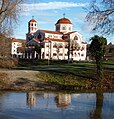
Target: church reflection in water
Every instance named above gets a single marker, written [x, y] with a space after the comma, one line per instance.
[31, 99]
[63, 100]
[57, 105]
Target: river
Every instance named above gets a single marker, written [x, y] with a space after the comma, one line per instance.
[54, 105]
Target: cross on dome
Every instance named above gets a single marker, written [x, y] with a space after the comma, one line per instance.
[64, 15]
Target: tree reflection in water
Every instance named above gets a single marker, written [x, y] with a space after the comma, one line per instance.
[97, 112]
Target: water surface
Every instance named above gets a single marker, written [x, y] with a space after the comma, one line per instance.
[46, 105]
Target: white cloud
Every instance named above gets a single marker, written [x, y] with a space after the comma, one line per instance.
[51, 5]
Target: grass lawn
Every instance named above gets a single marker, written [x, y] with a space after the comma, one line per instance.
[76, 68]
[73, 75]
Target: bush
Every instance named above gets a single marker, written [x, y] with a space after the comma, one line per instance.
[3, 79]
[8, 62]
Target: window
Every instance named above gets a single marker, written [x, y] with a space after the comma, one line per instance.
[64, 28]
[50, 36]
[60, 54]
[57, 28]
[55, 36]
[82, 54]
[55, 46]
[78, 48]
[75, 38]
[60, 46]
[82, 48]
[66, 46]
[75, 54]
[69, 28]
[110, 50]
[54, 54]
[47, 45]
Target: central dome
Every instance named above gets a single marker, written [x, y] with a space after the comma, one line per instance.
[64, 21]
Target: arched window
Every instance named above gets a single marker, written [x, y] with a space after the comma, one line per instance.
[69, 28]
[75, 38]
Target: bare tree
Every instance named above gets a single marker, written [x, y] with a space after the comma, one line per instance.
[73, 46]
[58, 46]
[9, 11]
[101, 16]
[5, 47]
[5, 53]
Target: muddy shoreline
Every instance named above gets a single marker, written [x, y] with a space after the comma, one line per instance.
[27, 80]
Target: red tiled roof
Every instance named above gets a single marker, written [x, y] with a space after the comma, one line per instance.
[36, 39]
[47, 39]
[32, 20]
[64, 21]
[59, 40]
[15, 40]
[53, 32]
[70, 33]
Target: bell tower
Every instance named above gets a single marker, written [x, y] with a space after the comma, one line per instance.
[32, 26]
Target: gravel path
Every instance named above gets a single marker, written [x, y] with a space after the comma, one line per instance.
[23, 80]
[19, 74]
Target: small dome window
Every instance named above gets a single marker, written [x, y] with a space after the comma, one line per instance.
[69, 28]
[64, 28]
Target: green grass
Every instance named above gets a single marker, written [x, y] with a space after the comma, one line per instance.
[87, 69]
[64, 79]
[82, 69]
[72, 82]
[76, 75]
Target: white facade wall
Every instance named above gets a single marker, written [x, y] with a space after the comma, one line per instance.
[51, 52]
[14, 46]
[64, 28]
[33, 27]
[55, 36]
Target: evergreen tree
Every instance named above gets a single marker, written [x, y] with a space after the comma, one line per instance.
[97, 50]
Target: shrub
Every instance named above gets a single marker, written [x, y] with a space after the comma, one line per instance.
[8, 62]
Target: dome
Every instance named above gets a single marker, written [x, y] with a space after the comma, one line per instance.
[63, 21]
[32, 20]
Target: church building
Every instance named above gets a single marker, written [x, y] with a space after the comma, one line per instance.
[61, 44]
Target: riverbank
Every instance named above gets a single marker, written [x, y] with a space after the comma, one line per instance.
[50, 79]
